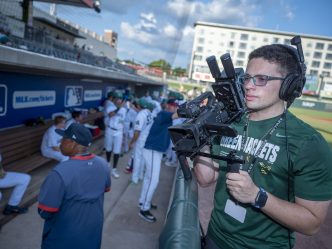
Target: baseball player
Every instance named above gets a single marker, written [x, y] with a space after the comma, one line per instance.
[128, 130]
[20, 182]
[51, 141]
[114, 131]
[156, 144]
[72, 196]
[142, 127]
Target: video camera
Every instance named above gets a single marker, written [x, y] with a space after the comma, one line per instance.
[209, 115]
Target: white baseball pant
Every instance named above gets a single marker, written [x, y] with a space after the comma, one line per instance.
[152, 161]
[20, 183]
[113, 142]
[138, 169]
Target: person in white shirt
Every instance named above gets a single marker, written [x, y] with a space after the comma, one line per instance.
[142, 127]
[128, 131]
[114, 131]
[76, 117]
[20, 182]
[50, 146]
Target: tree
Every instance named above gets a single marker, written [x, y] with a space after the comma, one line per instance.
[161, 64]
[179, 72]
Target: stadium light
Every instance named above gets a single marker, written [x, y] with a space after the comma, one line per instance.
[96, 6]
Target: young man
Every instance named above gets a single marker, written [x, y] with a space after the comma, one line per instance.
[51, 140]
[156, 144]
[114, 131]
[142, 127]
[20, 182]
[72, 196]
[284, 185]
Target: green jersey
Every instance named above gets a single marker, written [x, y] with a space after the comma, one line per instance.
[294, 160]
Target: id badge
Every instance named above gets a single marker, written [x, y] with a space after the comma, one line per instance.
[235, 210]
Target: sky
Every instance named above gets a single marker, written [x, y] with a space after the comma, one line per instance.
[150, 30]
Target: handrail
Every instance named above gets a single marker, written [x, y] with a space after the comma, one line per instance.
[181, 229]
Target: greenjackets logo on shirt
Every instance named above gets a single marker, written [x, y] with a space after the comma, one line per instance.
[269, 152]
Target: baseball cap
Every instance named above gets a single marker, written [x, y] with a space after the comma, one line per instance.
[117, 95]
[172, 102]
[143, 103]
[78, 133]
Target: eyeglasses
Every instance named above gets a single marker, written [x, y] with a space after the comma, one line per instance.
[259, 79]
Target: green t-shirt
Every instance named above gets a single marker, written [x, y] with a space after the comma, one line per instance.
[310, 177]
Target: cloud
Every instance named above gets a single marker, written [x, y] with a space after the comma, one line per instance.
[135, 33]
[148, 17]
[240, 12]
[170, 31]
[287, 10]
[180, 8]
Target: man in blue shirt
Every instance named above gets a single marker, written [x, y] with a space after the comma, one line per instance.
[156, 144]
[72, 195]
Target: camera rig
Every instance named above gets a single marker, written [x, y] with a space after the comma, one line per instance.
[209, 115]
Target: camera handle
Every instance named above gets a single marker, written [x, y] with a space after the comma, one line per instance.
[233, 162]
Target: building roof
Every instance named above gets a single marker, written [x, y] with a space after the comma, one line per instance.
[78, 3]
[60, 25]
[258, 30]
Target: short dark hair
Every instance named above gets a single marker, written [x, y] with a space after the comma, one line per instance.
[278, 54]
[76, 114]
[59, 119]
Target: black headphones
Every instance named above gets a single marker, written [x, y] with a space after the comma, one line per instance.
[293, 83]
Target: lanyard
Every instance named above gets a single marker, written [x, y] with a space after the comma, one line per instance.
[265, 137]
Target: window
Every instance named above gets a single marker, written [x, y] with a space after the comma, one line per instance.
[239, 63]
[315, 64]
[275, 40]
[232, 35]
[287, 41]
[231, 44]
[266, 40]
[201, 40]
[198, 58]
[199, 49]
[329, 47]
[242, 45]
[241, 54]
[254, 38]
[328, 56]
[201, 31]
[326, 74]
[307, 54]
[313, 72]
[244, 37]
[319, 45]
[317, 55]
[309, 45]
[327, 65]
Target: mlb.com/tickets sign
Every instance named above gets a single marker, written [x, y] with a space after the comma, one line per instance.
[27, 99]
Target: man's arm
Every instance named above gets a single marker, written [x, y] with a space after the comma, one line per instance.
[206, 170]
[303, 216]
[50, 196]
[135, 137]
